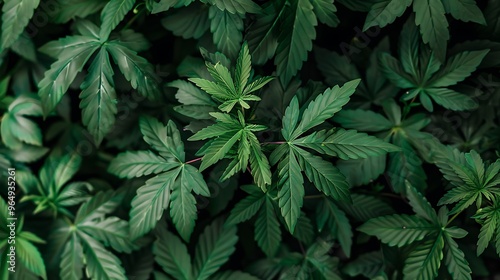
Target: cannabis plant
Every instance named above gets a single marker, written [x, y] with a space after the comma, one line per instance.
[245, 139]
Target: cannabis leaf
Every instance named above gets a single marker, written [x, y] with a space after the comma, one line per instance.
[472, 180]
[15, 17]
[172, 185]
[50, 191]
[430, 16]
[232, 88]
[424, 76]
[430, 234]
[25, 252]
[293, 159]
[215, 245]
[15, 128]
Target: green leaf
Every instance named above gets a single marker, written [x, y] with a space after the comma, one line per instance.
[98, 97]
[290, 118]
[58, 170]
[368, 265]
[140, 163]
[337, 222]
[183, 206]
[61, 74]
[365, 207]
[458, 67]
[451, 99]
[325, 11]
[267, 228]
[215, 246]
[243, 68]
[405, 165]
[455, 260]
[385, 12]
[111, 231]
[150, 202]
[295, 39]
[29, 255]
[259, 165]
[304, 230]
[490, 220]
[398, 230]
[291, 192]
[430, 17]
[236, 6]
[71, 262]
[189, 22]
[393, 71]
[464, 10]
[165, 139]
[172, 255]
[246, 208]
[15, 128]
[345, 144]
[101, 264]
[363, 120]
[420, 205]
[137, 70]
[325, 177]
[325, 106]
[362, 171]
[102, 203]
[219, 148]
[261, 36]
[112, 14]
[71, 9]
[424, 261]
[16, 15]
[229, 275]
[227, 30]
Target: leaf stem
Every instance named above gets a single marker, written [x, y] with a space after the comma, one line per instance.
[193, 160]
[453, 218]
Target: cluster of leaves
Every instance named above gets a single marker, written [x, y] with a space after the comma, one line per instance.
[264, 142]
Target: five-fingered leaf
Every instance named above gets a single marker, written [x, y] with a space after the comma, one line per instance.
[172, 185]
[231, 89]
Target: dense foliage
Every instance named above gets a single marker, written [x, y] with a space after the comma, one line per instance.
[246, 139]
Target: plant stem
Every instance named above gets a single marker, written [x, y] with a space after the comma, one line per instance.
[193, 160]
